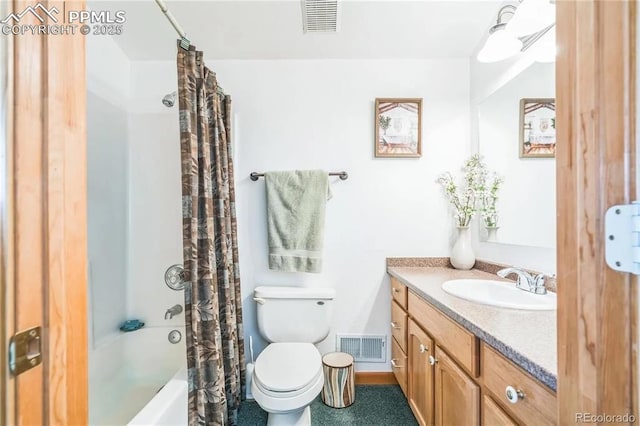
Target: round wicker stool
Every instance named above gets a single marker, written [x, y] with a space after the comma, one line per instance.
[339, 383]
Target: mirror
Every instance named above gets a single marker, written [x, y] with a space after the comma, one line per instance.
[516, 132]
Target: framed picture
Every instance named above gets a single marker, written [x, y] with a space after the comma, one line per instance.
[538, 128]
[398, 127]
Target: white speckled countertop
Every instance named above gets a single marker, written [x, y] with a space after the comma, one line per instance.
[528, 338]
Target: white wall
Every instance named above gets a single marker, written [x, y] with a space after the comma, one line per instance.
[107, 191]
[143, 214]
[107, 215]
[108, 78]
[485, 80]
[155, 236]
[134, 233]
[303, 114]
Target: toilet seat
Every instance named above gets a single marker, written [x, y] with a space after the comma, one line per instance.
[287, 369]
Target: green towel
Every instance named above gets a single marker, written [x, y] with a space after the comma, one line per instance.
[295, 218]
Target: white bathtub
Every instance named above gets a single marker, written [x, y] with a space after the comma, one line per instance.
[168, 407]
[126, 371]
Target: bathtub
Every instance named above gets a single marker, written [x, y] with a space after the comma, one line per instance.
[127, 371]
[168, 407]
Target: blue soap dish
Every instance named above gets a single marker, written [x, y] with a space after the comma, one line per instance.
[131, 325]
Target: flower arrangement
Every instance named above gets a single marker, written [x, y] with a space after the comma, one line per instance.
[489, 199]
[476, 189]
[463, 199]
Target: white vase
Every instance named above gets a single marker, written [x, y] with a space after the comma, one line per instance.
[492, 233]
[462, 256]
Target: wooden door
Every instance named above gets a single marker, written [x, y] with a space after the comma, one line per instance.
[457, 397]
[420, 374]
[596, 167]
[493, 415]
[44, 213]
[7, 396]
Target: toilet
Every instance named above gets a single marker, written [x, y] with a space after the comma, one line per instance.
[288, 376]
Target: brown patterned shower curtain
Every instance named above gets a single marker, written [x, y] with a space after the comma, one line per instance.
[213, 305]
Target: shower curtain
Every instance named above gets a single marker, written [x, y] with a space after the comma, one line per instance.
[213, 306]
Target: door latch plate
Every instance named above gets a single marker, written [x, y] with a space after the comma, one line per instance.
[25, 350]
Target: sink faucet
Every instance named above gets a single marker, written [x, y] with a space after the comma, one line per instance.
[526, 281]
[173, 311]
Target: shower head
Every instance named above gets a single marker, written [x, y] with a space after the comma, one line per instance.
[169, 100]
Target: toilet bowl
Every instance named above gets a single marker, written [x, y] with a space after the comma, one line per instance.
[287, 377]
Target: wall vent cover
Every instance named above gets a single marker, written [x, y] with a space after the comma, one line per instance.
[320, 16]
[363, 347]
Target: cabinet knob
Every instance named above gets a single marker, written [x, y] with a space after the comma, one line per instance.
[513, 395]
[422, 348]
[394, 363]
[394, 325]
[395, 290]
[432, 360]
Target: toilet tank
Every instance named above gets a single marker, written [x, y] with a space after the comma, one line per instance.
[294, 314]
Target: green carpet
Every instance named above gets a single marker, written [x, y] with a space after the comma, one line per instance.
[379, 405]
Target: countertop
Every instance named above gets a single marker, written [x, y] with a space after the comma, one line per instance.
[528, 338]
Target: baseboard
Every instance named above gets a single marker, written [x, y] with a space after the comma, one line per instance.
[375, 378]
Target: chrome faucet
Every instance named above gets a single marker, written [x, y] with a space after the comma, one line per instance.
[173, 311]
[526, 281]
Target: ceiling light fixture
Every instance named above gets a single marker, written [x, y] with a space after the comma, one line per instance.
[501, 43]
[532, 16]
[544, 49]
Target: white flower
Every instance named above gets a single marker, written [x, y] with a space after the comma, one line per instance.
[479, 188]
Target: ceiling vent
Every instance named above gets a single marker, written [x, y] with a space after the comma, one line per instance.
[320, 16]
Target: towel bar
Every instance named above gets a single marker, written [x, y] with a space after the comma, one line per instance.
[343, 175]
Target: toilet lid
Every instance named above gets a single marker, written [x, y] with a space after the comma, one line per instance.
[286, 367]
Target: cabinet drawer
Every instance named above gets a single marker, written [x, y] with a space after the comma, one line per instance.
[460, 344]
[538, 404]
[399, 365]
[399, 325]
[399, 292]
[493, 415]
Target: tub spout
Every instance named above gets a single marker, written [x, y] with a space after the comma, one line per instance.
[173, 311]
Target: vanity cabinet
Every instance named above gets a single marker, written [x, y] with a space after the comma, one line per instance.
[459, 343]
[450, 378]
[493, 415]
[457, 396]
[399, 359]
[399, 363]
[420, 374]
[399, 326]
[525, 398]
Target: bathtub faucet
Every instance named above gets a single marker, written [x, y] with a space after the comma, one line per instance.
[173, 311]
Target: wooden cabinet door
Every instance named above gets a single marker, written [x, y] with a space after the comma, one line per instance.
[493, 415]
[420, 374]
[457, 397]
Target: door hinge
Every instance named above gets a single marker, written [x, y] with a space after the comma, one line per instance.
[622, 237]
[25, 350]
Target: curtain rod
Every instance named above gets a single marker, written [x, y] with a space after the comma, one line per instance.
[184, 41]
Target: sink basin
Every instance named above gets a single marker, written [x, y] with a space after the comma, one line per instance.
[499, 293]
